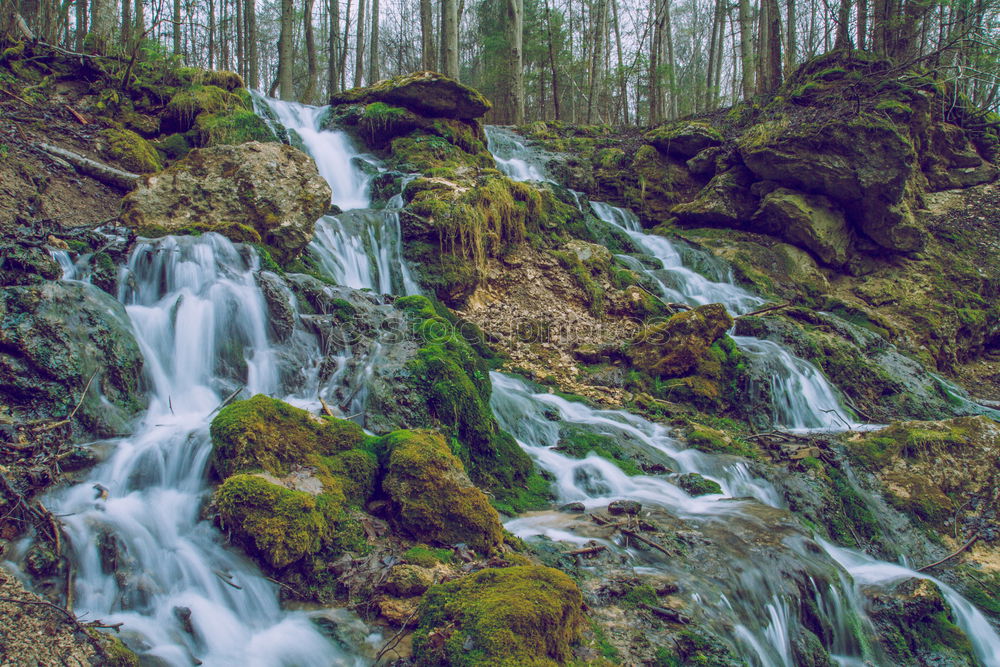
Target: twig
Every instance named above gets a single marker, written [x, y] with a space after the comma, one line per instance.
[227, 579]
[226, 401]
[597, 548]
[326, 408]
[768, 309]
[632, 533]
[76, 114]
[965, 546]
[16, 97]
[398, 637]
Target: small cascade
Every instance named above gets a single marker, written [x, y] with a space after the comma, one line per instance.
[144, 555]
[358, 248]
[512, 157]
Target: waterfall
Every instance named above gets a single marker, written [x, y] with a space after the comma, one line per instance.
[202, 324]
[512, 156]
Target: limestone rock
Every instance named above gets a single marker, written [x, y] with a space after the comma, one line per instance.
[590, 254]
[674, 347]
[811, 221]
[627, 507]
[864, 164]
[409, 580]
[725, 202]
[254, 192]
[54, 337]
[950, 161]
[426, 93]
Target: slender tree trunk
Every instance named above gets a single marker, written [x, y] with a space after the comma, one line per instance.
[791, 38]
[312, 62]
[655, 49]
[771, 47]
[286, 52]
[81, 23]
[715, 43]
[373, 59]
[746, 48]
[102, 25]
[428, 53]
[514, 23]
[177, 27]
[253, 60]
[595, 72]
[671, 62]
[862, 24]
[333, 73]
[359, 46]
[622, 83]
[449, 38]
[211, 34]
[242, 39]
[126, 14]
[343, 47]
[843, 40]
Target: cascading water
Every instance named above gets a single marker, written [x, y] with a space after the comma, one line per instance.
[358, 248]
[512, 157]
[144, 556]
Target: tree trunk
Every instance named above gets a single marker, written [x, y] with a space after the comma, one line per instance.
[514, 24]
[428, 53]
[102, 25]
[791, 38]
[333, 73]
[253, 61]
[862, 24]
[622, 83]
[81, 23]
[286, 86]
[746, 49]
[343, 46]
[449, 38]
[126, 14]
[671, 63]
[359, 46]
[176, 26]
[211, 33]
[843, 40]
[312, 62]
[373, 63]
[552, 61]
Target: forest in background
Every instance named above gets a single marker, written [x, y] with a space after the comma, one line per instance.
[621, 62]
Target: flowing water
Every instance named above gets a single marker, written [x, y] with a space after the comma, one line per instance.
[202, 322]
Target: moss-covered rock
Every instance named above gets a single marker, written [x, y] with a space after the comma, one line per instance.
[808, 221]
[68, 342]
[684, 138]
[265, 434]
[190, 102]
[129, 150]
[696, 485]
[505, 617]
[726, 201]
[431, 496]
[426, 93]
[276, 524]
[674, 347]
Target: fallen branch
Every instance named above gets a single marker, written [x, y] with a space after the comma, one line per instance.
[326, 408]
[644, 540]
[962, 548]
[597, 548]
[76, 114]
[98, 170]
[768, 309]
[19, 99]
[667, 614]
[226, 401]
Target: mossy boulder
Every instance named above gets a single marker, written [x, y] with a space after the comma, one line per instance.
[129, 150]
[696, 485]
[528, 615]
[676, 346]
[254, 192]
[431, 497]
[865, 163]
[274, 523]
[26, 265]
[426, 93]
[684, 139]
[813, 222]
[61, 343]
[190, 102]
[265, 434]
[726, 201]
[950, 160]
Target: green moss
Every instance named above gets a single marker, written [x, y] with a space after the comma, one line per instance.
[696, 485]
[593, 292]
[266, 434]
[638, 596]
[427, 556]
[234, 126]
[894, 107]
[130, 150]
[455, 381]
[173, 146]
[230, 81]
[503, 617]
[356, 471]
[113, 650]
[578, 442]
[853, 523]
[188, 103]
[276, 524]
[431, 497]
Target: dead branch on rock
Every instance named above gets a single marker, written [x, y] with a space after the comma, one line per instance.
[962, 548]
[767, 309]
[587, 551]
[99, 171]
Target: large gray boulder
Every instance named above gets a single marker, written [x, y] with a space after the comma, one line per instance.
[425, 93]
[254, 192]
[55, 337]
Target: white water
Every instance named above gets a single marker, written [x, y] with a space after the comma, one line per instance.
[360, 248]
[512, 156]
[202, 325]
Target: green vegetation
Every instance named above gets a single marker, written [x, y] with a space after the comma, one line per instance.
[578, 441]
[130, 150]
[513, 616]
[427, 556]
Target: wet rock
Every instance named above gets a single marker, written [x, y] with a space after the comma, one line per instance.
[810, 221]
[408, 580]
[183, 616]
[56, 339]
[41, 561]
[950, 161]
[591, 255]
[626, 507]
[696, 485]
[426, 93]
[255, 192]
[703, 164]
[573, 508]
[674, 347]
[279, 304]
[397, 611]
[26, 265]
